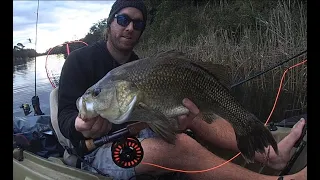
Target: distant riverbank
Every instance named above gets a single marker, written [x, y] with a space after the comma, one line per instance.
[20, 60]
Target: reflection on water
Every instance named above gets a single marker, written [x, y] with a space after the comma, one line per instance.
[20, 67]
[25, 86]
[21, 61]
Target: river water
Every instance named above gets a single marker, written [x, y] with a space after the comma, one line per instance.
[25, 85]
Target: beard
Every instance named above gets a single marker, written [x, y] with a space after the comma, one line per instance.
[121, 43]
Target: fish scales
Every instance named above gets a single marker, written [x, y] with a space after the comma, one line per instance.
[152, 90]
[179, 79]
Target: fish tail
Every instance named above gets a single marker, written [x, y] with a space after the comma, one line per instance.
[255, 138]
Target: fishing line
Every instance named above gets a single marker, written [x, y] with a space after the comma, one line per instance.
[35, 99]
[215, 167]
[35, 57]
[261, 73]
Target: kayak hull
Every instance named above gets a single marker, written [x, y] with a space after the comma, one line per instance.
[34, 167]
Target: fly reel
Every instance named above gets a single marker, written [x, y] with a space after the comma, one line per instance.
[127, 152]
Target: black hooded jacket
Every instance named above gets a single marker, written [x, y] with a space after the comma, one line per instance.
[82, 68]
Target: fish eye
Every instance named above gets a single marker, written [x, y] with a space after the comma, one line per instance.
[96, 92]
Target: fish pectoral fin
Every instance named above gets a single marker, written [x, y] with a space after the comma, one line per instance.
[161, 125]
[209, 117]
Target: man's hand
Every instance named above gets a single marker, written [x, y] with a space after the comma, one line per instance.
[285, 146]
[185, 121]
[93, 128]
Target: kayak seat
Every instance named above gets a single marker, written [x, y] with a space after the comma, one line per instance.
[68, 159]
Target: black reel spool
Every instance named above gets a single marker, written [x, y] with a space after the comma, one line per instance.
[127, 152]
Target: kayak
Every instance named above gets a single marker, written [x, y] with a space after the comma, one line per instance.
[30, 166]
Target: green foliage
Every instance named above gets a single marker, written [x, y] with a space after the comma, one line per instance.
[19, 52]
[96, 32]
[21, 55]
[24, 53]
[249, 36]
[174, 19]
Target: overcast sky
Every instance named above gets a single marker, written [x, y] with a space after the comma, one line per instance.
[58, 21]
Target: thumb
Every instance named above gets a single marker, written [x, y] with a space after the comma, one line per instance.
[182, 117]
[191, 106]
[82, 125]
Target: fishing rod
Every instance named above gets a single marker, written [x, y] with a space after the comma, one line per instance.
[35, 53]
[269, 69]
[35, 99]
[126, 149]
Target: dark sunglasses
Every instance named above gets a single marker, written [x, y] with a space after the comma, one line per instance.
[125, 20]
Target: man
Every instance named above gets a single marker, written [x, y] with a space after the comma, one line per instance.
[84, 67]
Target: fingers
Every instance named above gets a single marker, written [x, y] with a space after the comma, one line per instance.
[82, 125]
[300, 123]
[93, 127]
[106, 127]
[182, 117]
[101, 127]
[185, 121]
[194, 111]
[97, 126]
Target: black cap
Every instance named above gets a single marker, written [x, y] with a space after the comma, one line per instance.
[120, 4]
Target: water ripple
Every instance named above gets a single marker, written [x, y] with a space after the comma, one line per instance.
[24, 84]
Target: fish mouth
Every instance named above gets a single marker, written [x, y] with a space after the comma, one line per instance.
[86, 108]
[125, 116]
[87, 105]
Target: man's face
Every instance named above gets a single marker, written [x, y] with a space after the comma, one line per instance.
[124, 38]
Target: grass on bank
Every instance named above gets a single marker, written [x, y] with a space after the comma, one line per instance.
[245, 37]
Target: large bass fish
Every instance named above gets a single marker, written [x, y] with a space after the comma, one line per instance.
[157, 85]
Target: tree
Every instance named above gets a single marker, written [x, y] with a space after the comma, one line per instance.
[96, 32]
[20, 45]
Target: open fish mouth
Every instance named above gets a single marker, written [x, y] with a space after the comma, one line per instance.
[125, 116]
[86, 108]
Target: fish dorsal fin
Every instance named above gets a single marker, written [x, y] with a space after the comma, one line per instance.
[221, 72]
[171, 54]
